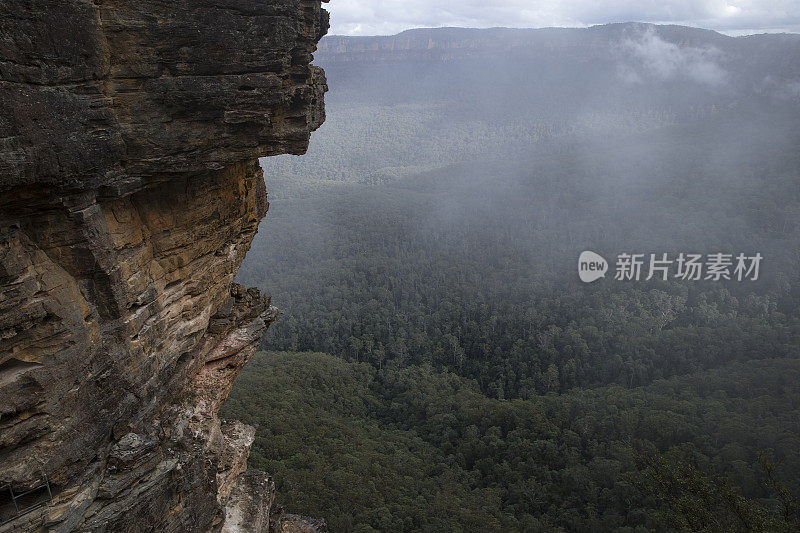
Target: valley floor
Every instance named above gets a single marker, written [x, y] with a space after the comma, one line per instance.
[417, 449]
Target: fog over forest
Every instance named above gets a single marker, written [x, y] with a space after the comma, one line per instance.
[425, 255]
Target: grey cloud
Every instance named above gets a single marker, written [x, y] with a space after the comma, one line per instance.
[783, 89]
[652, 57]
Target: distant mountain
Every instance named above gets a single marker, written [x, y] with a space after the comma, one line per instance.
[635, 51]
[435, 43]
[438, 43]
[427, 98]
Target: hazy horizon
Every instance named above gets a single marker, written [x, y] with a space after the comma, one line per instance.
[732, 33]
[389, 17]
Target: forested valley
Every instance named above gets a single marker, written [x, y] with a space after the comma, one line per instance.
[440, 366]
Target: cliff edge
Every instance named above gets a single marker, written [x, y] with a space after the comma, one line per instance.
[130, 192]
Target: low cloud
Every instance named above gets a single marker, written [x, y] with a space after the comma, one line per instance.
[651, 57]
[781, 88]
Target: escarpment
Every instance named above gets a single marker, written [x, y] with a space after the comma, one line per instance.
[130, 192]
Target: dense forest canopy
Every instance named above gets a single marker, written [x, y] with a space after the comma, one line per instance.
[429, 242]
[420, 449]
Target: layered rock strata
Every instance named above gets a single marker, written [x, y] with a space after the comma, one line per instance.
[129, 194]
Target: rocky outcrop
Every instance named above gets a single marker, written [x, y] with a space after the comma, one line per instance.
[129, 194]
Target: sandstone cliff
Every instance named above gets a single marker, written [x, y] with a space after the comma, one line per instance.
[129, 194]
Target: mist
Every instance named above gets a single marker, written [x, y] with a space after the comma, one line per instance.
[430, 238]
[497, 164]
[518, 140]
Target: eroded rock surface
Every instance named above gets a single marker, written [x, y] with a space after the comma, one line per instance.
[129, 194]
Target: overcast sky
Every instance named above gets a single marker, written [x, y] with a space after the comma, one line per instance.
[736, 17]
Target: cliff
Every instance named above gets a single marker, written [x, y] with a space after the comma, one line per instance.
[130, 192]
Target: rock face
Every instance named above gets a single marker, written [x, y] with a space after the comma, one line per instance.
[129, 194]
